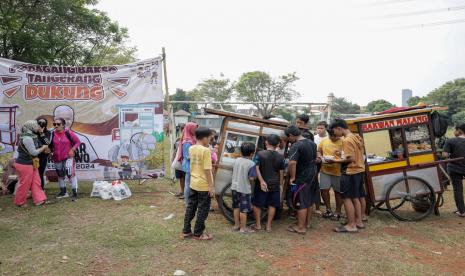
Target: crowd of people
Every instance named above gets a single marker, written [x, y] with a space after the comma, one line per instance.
[333, 158]
[36, 146]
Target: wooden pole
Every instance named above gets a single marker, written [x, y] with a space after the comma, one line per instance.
[169, 108]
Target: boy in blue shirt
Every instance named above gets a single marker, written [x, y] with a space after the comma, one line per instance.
[243, 174]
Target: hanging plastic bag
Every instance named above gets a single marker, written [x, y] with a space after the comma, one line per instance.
[120, 190]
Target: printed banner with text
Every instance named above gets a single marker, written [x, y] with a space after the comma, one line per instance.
[115, 111]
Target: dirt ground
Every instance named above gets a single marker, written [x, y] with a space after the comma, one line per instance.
[131, 237]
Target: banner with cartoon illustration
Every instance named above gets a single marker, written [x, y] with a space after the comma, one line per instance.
[115, 111]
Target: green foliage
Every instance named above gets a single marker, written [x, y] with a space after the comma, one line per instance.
[214, 90]
[155, 159]
[378, 106]
[343, 106]
[286, 113]
[259, 86]
[61, 32]
[182, 95]
[413, 101]
[458, 118]
[451, 94]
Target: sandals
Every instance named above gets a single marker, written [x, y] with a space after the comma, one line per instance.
[462, 215]
[292, 229]
[235, 229]
[328, 214]
[336, 217]
[203, 237]
[343, 229]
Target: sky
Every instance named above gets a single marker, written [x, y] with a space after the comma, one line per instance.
[362, 50]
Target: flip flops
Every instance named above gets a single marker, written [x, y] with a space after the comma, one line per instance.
[203, 237]
[254, 227]
[184, 236]
[248, 231]
[343, 229]
[292, 229]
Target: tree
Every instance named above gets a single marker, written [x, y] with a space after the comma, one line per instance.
[379, 105]
[413, 101]
[61, 32]
[214, 90]
[458, 118]
[259, 86]
[182, 95]
[285, 113]
[451, 94]
[343, 106]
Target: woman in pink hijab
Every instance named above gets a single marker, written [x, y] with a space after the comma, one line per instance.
[187, 140]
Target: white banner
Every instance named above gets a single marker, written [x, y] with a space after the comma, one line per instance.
[116, 112]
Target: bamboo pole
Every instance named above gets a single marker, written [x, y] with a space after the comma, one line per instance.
[169, 107]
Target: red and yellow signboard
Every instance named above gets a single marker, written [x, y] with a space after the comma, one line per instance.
[393, 123]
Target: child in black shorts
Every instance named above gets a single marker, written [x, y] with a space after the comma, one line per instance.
[270, 174]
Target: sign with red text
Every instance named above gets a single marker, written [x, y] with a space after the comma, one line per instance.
[393, 123]
[116, 111]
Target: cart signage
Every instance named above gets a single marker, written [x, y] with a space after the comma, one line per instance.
[393, 123]
[115, 111]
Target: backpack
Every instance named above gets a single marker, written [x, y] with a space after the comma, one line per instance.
[67, 134]
[440, 123]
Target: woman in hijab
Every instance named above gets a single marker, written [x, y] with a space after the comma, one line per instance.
[187, 140]
[27, 165]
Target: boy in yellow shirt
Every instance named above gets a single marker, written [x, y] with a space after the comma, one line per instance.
[330, 148]
[201, 186]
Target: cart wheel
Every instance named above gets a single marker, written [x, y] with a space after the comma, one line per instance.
[405, 195]
[380, 207]
[225, 205]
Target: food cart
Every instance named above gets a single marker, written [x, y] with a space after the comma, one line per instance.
[235, 130]
[404, 174]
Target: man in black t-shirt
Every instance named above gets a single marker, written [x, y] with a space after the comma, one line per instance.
[455, 148]
[302, 172]
[270, 174]
[302, 122]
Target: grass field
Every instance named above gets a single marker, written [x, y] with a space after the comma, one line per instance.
[132, 238]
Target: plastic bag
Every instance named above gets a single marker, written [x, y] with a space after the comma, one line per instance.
[101, 189]
[96, 187]
[105, 192]
[120, 190]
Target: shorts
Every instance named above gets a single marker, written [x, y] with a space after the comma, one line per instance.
[263, 199]
[66, 168]
[328, 181]
[179, 174]
[306, 195]
[352, 186]
[241, 201]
